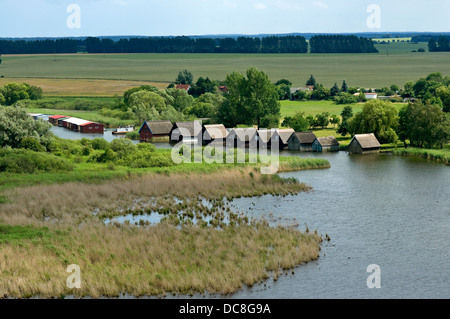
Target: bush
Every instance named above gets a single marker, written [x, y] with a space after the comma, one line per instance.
[99, 144]
[22, 161]
[32, 143]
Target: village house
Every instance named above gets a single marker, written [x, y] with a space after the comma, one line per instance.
[371, 96]
[364, 144]
[153, 129]
[325, 144]
[301, 141]
[185, 87]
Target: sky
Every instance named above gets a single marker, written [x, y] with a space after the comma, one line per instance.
[51, 18]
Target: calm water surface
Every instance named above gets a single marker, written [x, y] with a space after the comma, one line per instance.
[378, 209]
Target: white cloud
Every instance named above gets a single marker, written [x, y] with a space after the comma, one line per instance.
[260, 6]
[320, 4]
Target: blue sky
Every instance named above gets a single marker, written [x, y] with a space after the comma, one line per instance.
[47, 18]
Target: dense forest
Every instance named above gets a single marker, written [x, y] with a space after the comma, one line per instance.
[272, 44]
[341, 44]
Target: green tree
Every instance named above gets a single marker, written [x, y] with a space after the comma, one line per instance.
[346, 115]
[16, 125]
[252, 96]
[335, 120]
[394, 88]
[334, 90]
[284, 91]
[409, 89]
[185, 77]
[284, 81]
[344, 87]
[378, 117]
[128, 93]
[323, 119]
[14, 92]
[180, 99]
[320, 93]
[298, 122]
[424, 125]
[0, 59]
[311, 81]
[443, 93]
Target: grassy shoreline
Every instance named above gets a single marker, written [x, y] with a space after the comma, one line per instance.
[51, 223]
[440, 156]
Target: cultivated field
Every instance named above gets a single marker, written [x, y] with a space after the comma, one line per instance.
[81, 87]
[395, 64]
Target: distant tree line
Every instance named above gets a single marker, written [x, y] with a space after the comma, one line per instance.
[183, 44]
[39, 46]
[441, 45]
[341, 44]
[274, 44]
[428, 37]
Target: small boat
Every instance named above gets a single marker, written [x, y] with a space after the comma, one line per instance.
[123, 130]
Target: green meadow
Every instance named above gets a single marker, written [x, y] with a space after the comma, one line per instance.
[395, 64]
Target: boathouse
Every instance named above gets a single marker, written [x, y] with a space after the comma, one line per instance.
[301, 141]
[364, 144]
[243, 137]
[325, 144]
[285, 135]
[189, 132]
[215, 133]
[153, 129]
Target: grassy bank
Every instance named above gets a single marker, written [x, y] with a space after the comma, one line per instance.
[61, 224]
[442, 155]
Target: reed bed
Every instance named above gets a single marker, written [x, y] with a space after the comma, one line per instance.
[59, 225]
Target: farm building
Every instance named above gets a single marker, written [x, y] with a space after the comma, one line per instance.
[54, 119]
[223, 89]
[285, 135]
[186, 131]
[267, 137]
[364, 144]
[243, 137]
[325, 144]
[185, 87]
[153, 129]
[216, 133]
[83, 126]
[301, 141]
[371, 96]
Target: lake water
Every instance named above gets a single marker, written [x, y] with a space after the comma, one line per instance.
[378, 209]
